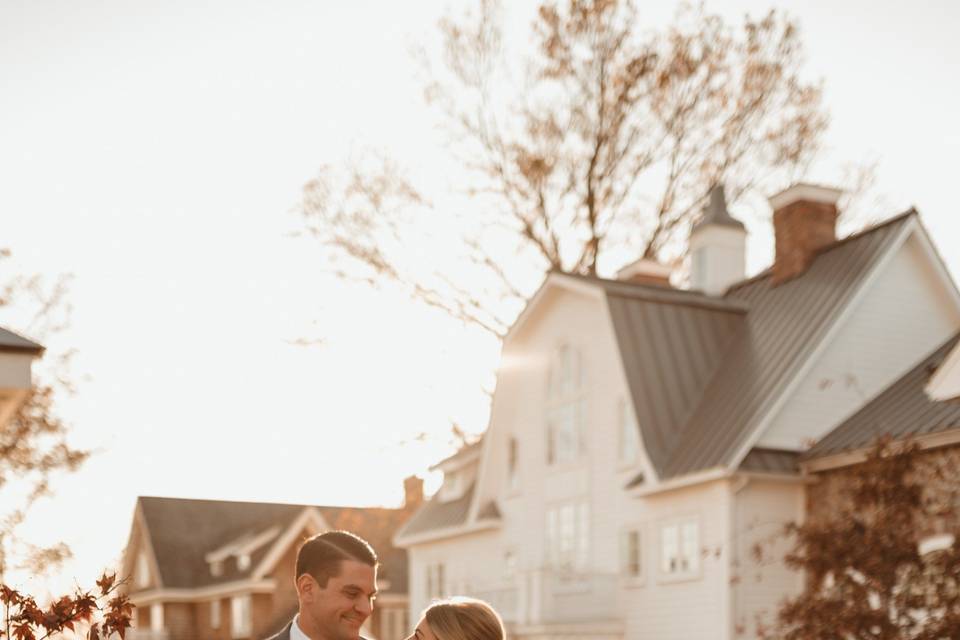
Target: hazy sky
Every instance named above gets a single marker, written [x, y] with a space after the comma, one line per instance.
[156, 151]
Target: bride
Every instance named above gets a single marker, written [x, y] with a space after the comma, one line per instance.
[459, 619]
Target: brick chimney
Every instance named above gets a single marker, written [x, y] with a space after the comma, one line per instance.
[646, 271]
[804, 221]
[412, 492]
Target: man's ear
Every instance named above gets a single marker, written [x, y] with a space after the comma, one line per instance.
[306, 586]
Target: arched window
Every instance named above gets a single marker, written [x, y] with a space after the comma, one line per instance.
[565, 406]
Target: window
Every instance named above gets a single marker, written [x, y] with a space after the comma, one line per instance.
[214, 614]
[513, 478]
[241, 622]
[143, 569]
[680, 548]
[631, 554]
[629, 438]
[568, 536]
[435, 580]
[156, 617]
[216, 568]
[243, 562]
[565, 407]
[451, 489]
[509, 565]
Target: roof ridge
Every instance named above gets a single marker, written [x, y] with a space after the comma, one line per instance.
[653, 293]
[272, 504]
[833, 245]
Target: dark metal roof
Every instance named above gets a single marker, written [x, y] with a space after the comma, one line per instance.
[435, 514]
[902, 410]
[669, 354]
[11, 342]
[716, 211]
[786, 322]
[771, 461]
[183, 531]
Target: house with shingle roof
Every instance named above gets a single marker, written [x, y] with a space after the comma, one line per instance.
[223, 570]
[643, 438]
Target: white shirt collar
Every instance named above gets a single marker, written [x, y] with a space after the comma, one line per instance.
[296, 633]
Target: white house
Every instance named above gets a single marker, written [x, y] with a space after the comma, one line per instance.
[643, 439]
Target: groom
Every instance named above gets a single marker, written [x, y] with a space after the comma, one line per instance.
[336, 580]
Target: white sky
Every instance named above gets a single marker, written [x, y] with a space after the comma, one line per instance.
[156, 150]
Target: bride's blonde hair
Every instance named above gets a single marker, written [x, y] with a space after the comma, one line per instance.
[464, 619]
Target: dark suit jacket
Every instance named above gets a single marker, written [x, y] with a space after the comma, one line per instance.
[285, 634]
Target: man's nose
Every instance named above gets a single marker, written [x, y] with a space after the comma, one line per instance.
[365, 606]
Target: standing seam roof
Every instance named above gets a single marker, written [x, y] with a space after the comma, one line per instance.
[669, 353]
[902, 410]
[784, 325]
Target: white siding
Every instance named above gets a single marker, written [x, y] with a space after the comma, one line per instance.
[762, 508]
[661, 607]
[904, 316]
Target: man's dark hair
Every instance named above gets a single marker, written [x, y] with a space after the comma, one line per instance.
[320, 556]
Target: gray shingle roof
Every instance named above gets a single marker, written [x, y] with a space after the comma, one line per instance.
[182, 531]
[11, 342]
[902, 410]
[436, 514]
[784, 325]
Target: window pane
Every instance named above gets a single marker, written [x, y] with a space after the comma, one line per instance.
[669, 546]
[691, 546]
[583, 535]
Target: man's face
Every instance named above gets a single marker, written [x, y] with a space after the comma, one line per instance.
[339, 609]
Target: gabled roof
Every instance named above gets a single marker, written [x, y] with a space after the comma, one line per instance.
[902, 410]
[11, 342]
[784, 325]
[183, 531]
[436, 514]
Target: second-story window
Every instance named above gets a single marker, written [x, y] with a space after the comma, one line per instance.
[513, 477]
[565, 407]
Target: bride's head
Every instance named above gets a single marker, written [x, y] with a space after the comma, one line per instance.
[459, 619]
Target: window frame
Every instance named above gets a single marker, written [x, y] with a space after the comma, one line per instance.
[679, 524]
[566, 400]
[241, 616]
[215, 613]
[628, 577]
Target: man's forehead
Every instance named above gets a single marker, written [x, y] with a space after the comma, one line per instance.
[355, 572]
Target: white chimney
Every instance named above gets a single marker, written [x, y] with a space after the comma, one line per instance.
[717, 248]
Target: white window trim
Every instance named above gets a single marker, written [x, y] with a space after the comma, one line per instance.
[576, 399]
[156, 617]
[580, 549]
[241, 616]
[628, 579]
[680, 576]
[215, 613]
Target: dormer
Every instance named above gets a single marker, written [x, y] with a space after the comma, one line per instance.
[459, 472]
[239, 552]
